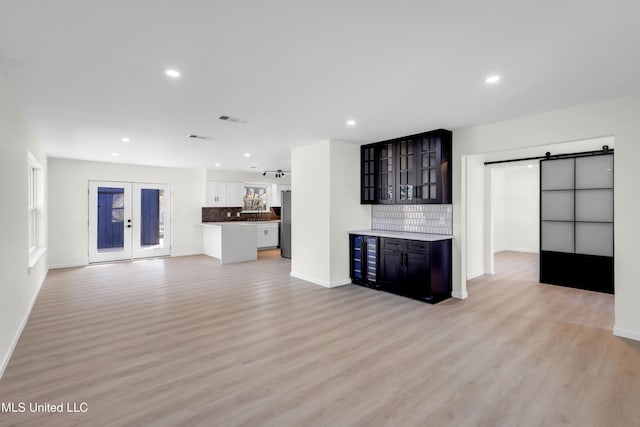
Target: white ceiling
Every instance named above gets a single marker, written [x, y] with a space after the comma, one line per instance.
[87, 73]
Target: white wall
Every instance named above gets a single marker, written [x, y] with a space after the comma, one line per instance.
[499, 209]
[347, 214]
[325, 192]
[68, 205]
[618, 118]
[310, 213]
[240, 176]
[19, 285]
[476, 223]
[515, 199]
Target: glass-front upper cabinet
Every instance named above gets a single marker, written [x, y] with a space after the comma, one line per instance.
[385, 174]
[368, 175]
[412, 169]
[427, 168]
[406, 171]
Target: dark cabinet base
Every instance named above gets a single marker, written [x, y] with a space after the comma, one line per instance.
[405, 292]
[589, 272]
[413, 269]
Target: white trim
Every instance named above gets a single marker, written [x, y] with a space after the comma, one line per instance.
[343, 282]
[7, 357]
[320, 282]
[67, 265]
[186, 253]
[35, 255]
[85, 264]
[626, 333]
[460, 295]
[476, 275]
[528, 250]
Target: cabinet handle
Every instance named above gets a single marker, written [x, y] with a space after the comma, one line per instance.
[406, 259]
[401, 258]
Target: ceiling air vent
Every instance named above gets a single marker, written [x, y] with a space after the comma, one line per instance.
[232, 119]
[194, 136]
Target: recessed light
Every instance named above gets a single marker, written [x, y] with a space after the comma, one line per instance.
[114, 154]
[126, 139]
[492, 79]
[217, 164]
[530, 166]
[247, 154]
[351, 122]
[173, 73]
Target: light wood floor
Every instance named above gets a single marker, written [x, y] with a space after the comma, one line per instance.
[186, 341]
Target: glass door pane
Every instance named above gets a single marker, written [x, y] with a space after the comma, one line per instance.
[109, 221]
[151, 211]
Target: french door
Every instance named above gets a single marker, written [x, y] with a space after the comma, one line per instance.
[128, 220]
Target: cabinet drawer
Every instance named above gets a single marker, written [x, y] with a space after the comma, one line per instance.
[391, 243]
[418, 247]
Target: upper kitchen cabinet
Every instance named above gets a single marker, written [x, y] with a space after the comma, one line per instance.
[224, 194]
[385, 173]
[368, 175]
[408, 170]
[433, 167]
[276, 193]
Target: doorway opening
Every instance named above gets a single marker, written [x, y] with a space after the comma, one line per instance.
[128, 220]
[505, 199]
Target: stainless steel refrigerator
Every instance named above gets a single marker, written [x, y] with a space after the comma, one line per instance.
[285, 225]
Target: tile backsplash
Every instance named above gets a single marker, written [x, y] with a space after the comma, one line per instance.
[231, 214]
[431, 219]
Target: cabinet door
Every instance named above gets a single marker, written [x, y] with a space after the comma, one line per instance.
[267, 237]
[418, 273]
[367, 175]
[216, 193]
[392, 270]
[428, 169]
[234, 195]
[405, 172]
[385, 183]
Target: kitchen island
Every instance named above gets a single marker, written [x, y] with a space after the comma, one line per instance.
[230, 241]
[238, 241]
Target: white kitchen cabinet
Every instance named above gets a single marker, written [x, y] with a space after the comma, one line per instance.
[224, 194]
[267, 235]
[234, 194]
[276, 193]
[230, 241]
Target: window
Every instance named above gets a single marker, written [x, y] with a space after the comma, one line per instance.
[255, 199]
[35, 182]
[33, 207]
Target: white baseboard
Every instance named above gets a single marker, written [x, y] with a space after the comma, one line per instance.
[626, 333]
[320, 282]
[84, 264]
[70, 265]
[7, 357]
[186, 253]
[474, 275]
[460, 295]
[525, 250]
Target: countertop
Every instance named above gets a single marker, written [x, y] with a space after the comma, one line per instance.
[404, 235]
[221, 223]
